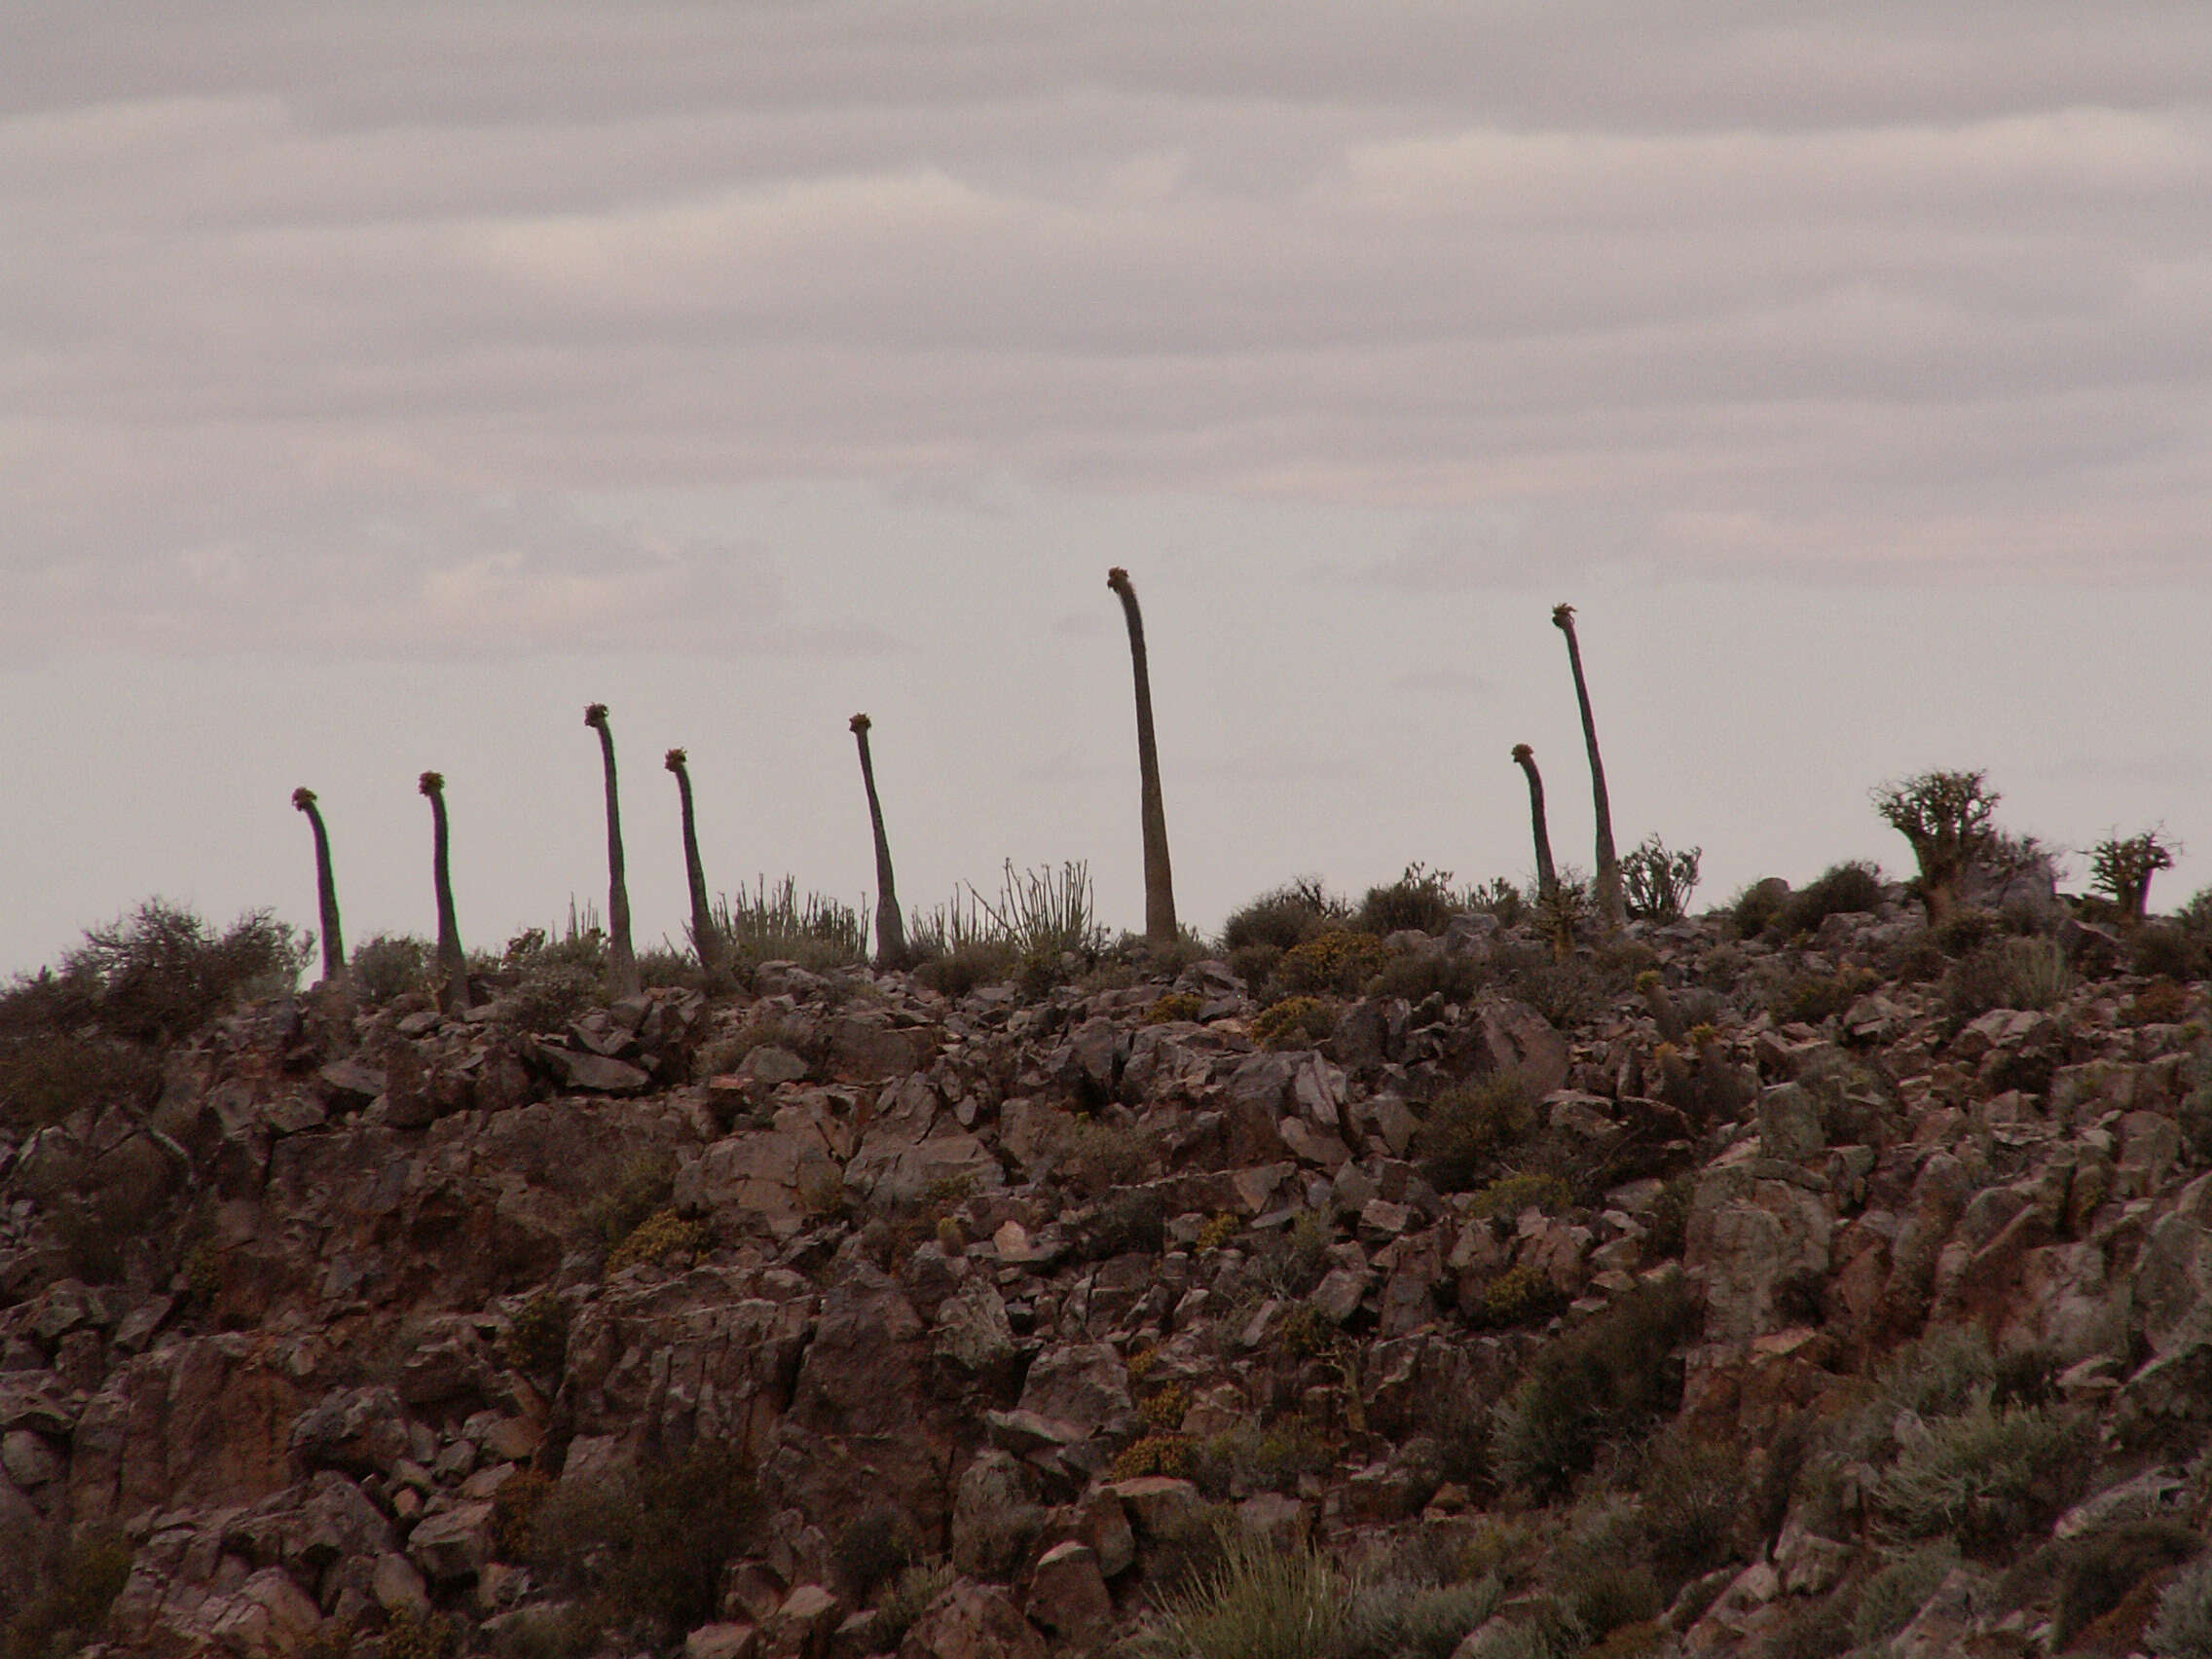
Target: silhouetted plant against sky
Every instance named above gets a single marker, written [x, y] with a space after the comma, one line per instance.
[890, 928]
[705, 938]
[1607, 888]
[2123, 868]
[453, 964]
[325, 887]
[1547, 875]
[1947, 816]
[1159, 879]
[621, 960]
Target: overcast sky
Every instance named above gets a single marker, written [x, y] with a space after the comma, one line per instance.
[379, 383]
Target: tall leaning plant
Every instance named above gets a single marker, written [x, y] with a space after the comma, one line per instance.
[621, 960]
[326, 889]
[453, 964]
[1547, 875]
[890, 928]
[709, 940]
[1159, 877]
[1612, 910]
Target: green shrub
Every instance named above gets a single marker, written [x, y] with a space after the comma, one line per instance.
[1130, 1221]
[385, 966]
[1758, 906]
[909, 1599]
[514, 1514]
[1603, 1379]
[537, 1339]
[2160, 949]
[657, 1237]
[426, 1634]
[1600, 1577]
[1291, 1262]
[1816, 998]
[1290, 915]
[1403, 1619]
[1842, 889]
[1694, 1491]
[1256, 1604]
[2007, 972]
[1339, 961]
[980, 962]
[2097, 1571]
[1655, 883]
[1295, 1022]
[1173, 1007]
[1249, 1458]
[1891, 1598]
[1500, 897]
[1469, 1127]
[1509, 1195]
[1519, 1296]
[870, 1550]
[2183, 1627]
[651, 1544]
[636, 1185]
[1420, 900]
[774, 924]
[160, 973]
[1982, 1474]
[1418, 975]
[69, 1604]
[48, 1074]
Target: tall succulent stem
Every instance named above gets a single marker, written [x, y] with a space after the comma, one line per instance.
[621, 960]
[705, 938]
[1159, 877]
[1547, 875]
[453, 964]
[326, 889]
[889, 927]
[1612, 910]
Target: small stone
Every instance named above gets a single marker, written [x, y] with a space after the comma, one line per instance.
[1067, 1594]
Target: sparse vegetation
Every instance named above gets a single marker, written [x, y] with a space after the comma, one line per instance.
[1656, 884]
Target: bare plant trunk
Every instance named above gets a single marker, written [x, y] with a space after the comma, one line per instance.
[453, 963]
[325, 890]
[1612, 910]
[1159, 877]
[889, 926]
[1547, 875]
[621, 960]
[707, 939]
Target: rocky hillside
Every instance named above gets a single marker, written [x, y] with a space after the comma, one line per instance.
[1838, 1286]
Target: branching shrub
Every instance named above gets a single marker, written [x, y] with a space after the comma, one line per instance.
[1295, 1022]
[1290, 915]
[385, 966]
[2183, 1627]
[1893, 1596]
[773, 924]
[1339, 961]
[1467, 1127]
[2122, 868]
[1758, 906]
[1656, 883]
[1420, 900]
[652, 1544]
[1604, 1377]
[1841, 889]
[2007, 972]
[160, 973]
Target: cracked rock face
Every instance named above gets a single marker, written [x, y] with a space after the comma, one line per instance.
[1040, 1292]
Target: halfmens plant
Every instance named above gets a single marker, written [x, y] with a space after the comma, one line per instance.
[453, 963]
[889, 927]
[621, 960]
[1547, 875]
[1159, 877]
[2121, 869]
[707, 939]
[326, 889]
[1607, 888]
[1948, 819]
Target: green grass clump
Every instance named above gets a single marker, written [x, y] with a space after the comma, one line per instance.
[1982, 1474]
[2182, 1626]
[1891, 1598]
[537, 1339]
[1256, 1604]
